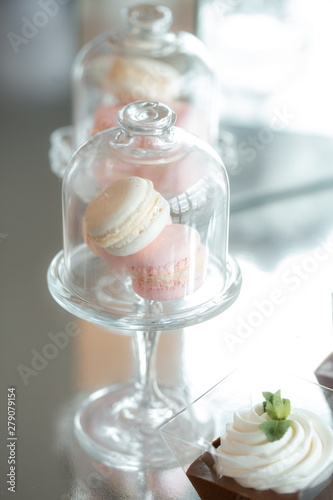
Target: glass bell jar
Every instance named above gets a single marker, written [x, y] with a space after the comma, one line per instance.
[145, 220]
[142, 59]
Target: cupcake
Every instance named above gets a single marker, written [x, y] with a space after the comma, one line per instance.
[271, 451]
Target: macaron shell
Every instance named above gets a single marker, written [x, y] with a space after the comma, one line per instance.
[106, 117]
[191, 119]
[187, 117]
[140, 238]
[127, 216]
[118, 263]
[113, 206]
[171, 267]
[168, 179]
[142, 78]
[174, 178]
[113, 261]
[172, 290]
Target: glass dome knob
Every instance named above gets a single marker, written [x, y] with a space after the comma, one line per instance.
[149, 17]
[146, 118]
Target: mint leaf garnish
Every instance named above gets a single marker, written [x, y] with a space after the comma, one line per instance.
[275, 429]
[278, 410]
[286, 408]
[268, 397]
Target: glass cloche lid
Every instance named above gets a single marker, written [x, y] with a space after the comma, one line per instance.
[143, 59]
[140, 59]
[145, 218]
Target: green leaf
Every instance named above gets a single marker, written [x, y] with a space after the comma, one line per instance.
[276, 408]
[275, 429]
[268, 396]
[286, 408]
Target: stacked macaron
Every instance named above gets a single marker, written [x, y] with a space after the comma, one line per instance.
[188, 117]
[132, 78]
[164, 269]
[126, 216]
[128, 225]
[105, 117]
[170, 179]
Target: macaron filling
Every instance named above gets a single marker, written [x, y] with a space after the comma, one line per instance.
[127, 216]
[170, 267]
[132, 226]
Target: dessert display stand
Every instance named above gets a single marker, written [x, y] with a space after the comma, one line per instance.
[140, 58]
[118, 425]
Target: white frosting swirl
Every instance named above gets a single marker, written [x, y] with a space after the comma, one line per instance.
[302, 456]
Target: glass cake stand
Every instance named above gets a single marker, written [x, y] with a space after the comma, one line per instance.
[118, 425]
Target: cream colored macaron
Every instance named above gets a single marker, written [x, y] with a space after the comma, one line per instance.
[125, 217]
[143, 78]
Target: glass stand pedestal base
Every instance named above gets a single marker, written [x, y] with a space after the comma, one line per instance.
[116, 429]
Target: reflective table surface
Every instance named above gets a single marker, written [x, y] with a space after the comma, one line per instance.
[285, 250]
[281, 232]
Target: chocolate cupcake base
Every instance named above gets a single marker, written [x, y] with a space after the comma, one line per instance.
[210, 486]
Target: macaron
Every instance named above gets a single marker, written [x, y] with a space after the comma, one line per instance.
[113, 261]
[169, 179]
[192, 119]
[126, 216]
[132, 78]
[106, 117]
[171, 267]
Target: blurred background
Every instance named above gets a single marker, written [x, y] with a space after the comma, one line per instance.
[273, 61]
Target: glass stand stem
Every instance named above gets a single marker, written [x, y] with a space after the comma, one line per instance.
[146, 385]
[120, 426]
[147, 405]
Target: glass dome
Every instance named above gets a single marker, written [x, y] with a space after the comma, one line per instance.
[145, 217]
[141, 59]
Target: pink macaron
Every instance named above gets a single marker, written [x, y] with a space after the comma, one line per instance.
[106, 117]
[192, 119]
[113, 261]
[169, 179]
[170, 267]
